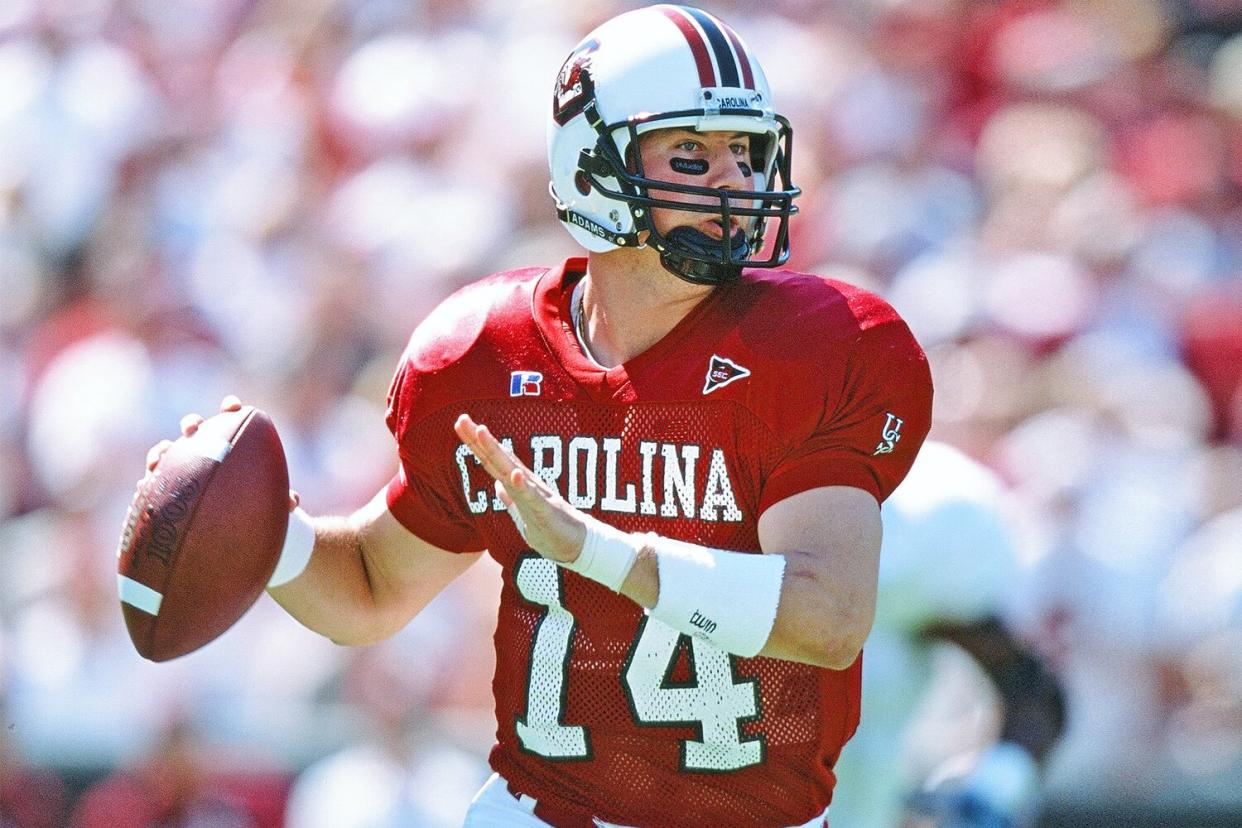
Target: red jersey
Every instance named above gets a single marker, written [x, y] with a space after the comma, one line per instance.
[774, 384]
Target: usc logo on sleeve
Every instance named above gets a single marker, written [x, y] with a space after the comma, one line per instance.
[890, 435]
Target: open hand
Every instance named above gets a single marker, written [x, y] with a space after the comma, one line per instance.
[551, 526]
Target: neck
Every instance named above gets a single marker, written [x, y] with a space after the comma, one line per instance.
[630, 302]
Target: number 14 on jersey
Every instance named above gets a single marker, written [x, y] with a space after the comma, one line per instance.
[714, 701]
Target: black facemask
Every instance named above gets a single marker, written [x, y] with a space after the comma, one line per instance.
[684, 251]
[694, 263]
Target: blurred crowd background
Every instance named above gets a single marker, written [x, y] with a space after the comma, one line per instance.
[264, 197]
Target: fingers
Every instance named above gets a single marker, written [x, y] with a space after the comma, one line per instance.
[464, 426]
[519, 482]
[514, 513]
[477, 437]
[496, 460]
[522, 484]
[294, 499]
[156, 452]
[520, 487]
[503, 494]
[190, 423]
[542, 518]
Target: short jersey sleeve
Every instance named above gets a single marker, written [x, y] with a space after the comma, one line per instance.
[872, 425]
[423, 495]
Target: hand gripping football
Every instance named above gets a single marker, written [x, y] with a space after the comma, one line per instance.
[203, 534]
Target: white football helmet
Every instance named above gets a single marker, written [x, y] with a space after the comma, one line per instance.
[655, 68]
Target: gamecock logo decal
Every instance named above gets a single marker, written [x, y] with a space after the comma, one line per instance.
[574, 88]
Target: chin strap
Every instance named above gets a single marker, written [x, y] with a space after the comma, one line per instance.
[572, 217]
[697, 267]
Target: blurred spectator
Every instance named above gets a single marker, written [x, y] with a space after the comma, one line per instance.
[1199, 636]
[418, 756]
[1212, 348]
[171, 788]
[30, 797]
[410, 771]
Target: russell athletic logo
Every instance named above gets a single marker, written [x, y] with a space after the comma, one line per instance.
[721, 372]
[525, 383]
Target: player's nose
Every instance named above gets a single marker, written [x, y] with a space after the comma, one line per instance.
[726, 172]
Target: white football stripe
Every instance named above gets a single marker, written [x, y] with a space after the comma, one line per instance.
[138, 595]
[208, 445]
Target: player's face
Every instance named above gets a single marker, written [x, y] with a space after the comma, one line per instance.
[699, 159]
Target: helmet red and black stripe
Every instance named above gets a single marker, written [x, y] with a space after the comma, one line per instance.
[718, 52]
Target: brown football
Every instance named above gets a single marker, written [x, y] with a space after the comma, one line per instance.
[203, 534]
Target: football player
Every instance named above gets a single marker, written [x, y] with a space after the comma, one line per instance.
[675, 450]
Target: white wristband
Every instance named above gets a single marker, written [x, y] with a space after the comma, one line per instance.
[607, 554]
[727, 598]
[296, 553]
